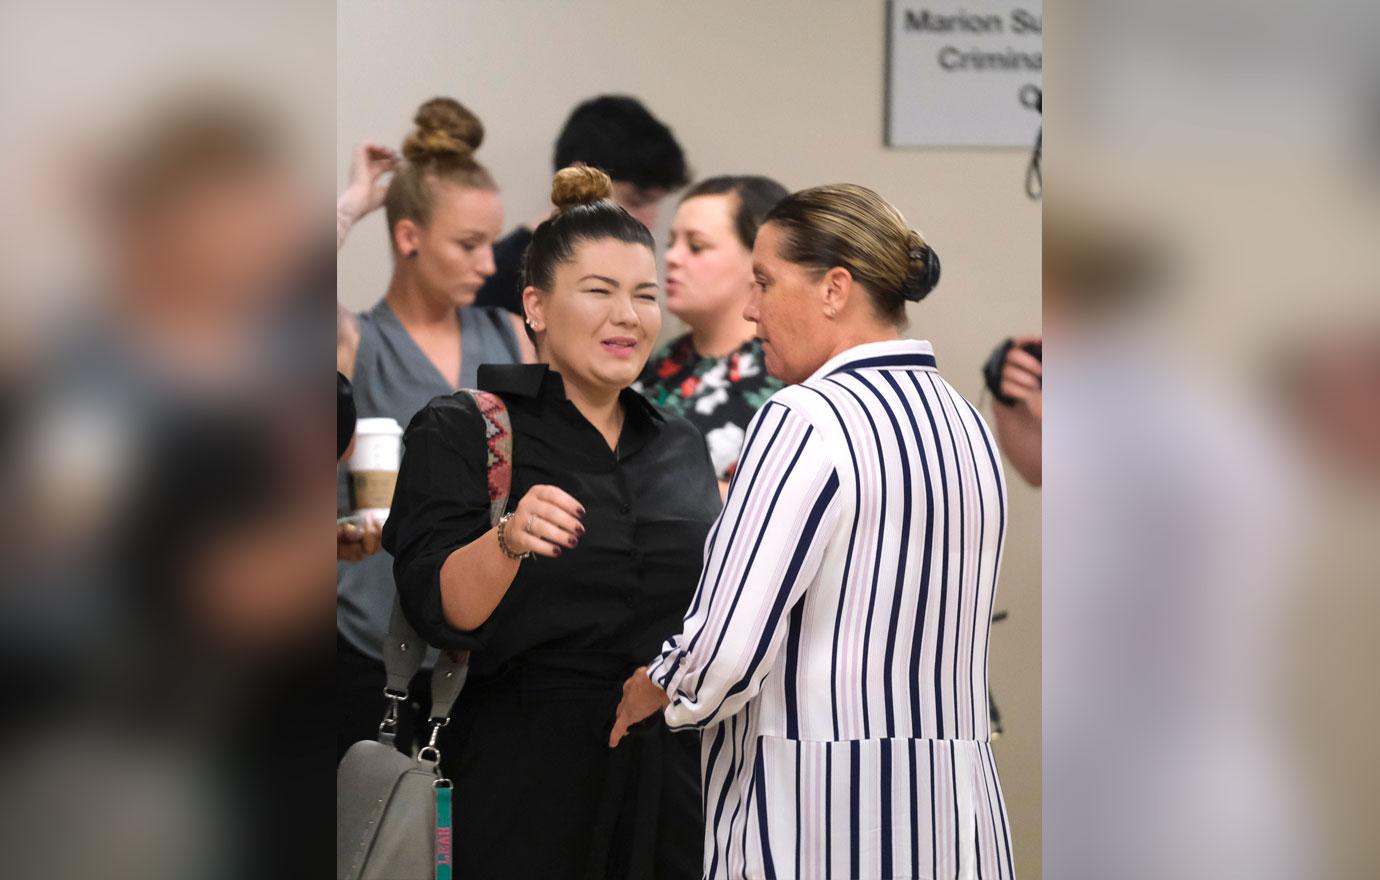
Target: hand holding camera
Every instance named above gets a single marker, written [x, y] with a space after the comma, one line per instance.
[1014, 373]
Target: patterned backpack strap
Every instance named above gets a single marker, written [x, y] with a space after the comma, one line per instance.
[498, 437]
[452, 667]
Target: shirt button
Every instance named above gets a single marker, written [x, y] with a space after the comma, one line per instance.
[636, 554]
[625, 509]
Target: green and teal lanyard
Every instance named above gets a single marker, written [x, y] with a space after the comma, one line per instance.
[444, 838]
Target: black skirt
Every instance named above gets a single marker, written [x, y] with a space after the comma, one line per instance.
[539, 794]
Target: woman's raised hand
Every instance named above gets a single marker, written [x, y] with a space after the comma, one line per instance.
[546, 521]
[365, 193]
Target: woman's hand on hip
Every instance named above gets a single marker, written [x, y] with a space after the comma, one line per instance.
[641, 698]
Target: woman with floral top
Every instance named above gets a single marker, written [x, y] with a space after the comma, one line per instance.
[714, 375]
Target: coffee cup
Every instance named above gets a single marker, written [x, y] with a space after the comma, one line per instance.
[374, 466]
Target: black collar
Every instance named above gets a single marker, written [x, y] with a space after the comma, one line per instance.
[539, 380]
[524, 380]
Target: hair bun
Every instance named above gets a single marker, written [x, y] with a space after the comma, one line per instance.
[923, 273]
[445, 131]
[579, 185]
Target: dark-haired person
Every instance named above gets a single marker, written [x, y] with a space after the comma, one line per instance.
[424, 338]
[714, 375]
[617, 135]
[582, 579]
[835, 654]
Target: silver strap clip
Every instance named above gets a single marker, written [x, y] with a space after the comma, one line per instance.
[388, 727]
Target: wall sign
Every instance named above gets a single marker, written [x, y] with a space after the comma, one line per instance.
[963, 74]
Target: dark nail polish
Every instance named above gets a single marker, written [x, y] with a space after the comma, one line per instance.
[582, 512]
[574, 541]
[558, 552]
[580, 531]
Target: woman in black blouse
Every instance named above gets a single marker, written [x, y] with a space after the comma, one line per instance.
[582, 580]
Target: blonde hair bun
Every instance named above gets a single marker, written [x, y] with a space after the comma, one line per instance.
[446, 131]
[579, 185]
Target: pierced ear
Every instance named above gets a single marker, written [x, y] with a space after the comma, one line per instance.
[406, 236]
[838, 288]
[534, 309]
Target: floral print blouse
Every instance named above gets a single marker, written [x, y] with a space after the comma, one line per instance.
[718, 395]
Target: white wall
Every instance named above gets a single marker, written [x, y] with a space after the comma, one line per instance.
[788, 89]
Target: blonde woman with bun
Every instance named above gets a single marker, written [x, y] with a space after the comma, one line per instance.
[423, 339]
[582, 579]
[835, 654]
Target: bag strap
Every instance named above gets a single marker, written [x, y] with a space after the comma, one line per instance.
[498, 440]
[403, 648]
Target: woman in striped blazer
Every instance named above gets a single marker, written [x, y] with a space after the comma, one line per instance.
[835, 653]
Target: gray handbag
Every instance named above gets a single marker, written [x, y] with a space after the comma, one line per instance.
[393, 812]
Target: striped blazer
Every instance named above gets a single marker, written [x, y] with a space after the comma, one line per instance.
[835, 653]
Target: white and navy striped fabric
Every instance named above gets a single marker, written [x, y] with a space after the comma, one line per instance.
[835, 653]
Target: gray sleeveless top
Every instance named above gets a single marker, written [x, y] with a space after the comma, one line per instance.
[393, 378]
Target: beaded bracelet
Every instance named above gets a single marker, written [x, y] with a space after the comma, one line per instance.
[503, 544]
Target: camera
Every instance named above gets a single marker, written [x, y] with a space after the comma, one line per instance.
[991, 371]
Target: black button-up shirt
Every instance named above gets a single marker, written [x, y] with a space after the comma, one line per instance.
[649, 505]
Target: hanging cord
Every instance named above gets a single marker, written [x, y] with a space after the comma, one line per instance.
[1033, 97]
[993, 713]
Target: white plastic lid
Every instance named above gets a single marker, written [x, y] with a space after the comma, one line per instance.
[378, 426]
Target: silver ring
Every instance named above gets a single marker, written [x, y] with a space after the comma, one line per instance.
[528, 527]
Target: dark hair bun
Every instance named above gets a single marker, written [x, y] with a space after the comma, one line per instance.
[579, 185]
[446, 131]
[923, 272]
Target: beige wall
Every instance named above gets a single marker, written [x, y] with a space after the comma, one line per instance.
[787, 89]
